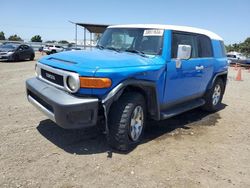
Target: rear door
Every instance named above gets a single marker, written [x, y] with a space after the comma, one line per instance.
[20, 52]
[206, 58]
[26, 52]
[183, 83]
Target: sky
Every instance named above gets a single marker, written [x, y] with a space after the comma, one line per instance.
[50, 18]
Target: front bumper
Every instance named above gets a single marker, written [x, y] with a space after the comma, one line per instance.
[5, 57]
[66, 110]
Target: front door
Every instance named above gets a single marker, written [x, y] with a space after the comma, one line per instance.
[183, 83]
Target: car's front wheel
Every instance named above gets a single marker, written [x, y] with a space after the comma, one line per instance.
[15, 57]
[127, 121]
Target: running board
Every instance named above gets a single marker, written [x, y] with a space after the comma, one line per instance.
[182, 108]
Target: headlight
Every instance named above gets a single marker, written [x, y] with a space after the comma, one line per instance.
[36, 70]
[9, 53]
[73, 83]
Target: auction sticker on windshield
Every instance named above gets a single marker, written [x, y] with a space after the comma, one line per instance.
[153, 32]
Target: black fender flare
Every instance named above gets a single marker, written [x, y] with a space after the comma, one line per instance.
[215, 77]
[148, 87]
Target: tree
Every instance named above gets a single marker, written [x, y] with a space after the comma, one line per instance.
[15, 38]
[2, 37]
[243, 47]
[36, 38]
[50, 41]
[63, 42]
[71, 44]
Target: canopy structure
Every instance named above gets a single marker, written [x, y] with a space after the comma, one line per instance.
[91, 28]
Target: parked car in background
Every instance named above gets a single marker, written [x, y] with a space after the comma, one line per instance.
[72, 49]
[236, 57]
[16, 51]
[51, 49]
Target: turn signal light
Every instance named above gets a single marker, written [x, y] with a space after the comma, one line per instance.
[90, 82]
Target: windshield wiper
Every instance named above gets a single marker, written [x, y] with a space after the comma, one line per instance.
[99, 47]
[136, 52]
[112, 48]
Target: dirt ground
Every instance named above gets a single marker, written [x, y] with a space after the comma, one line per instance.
[195, 149]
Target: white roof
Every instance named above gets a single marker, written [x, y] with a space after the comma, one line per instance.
[171, 27]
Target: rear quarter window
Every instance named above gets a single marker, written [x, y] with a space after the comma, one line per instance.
[223, 49]
[204, 46]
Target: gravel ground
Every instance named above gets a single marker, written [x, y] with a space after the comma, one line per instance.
[195, 149]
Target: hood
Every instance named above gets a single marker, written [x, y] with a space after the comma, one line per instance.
[96, 59]
[6, 49]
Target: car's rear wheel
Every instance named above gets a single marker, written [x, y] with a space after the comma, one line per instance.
[53, 51]
[213, 96]
[127, 121]
[32, 56]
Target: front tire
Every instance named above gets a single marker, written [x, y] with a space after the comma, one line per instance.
[127, 121]
[16, 58]
[213, 96]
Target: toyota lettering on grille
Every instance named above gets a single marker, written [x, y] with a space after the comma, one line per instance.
[50, 76]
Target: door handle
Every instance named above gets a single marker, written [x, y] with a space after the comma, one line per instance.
[199, 67]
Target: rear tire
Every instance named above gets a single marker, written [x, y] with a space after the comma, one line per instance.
[126, 121]
[213, 96]
[32, 56]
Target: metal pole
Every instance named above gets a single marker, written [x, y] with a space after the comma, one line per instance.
[91, 40]
[76, 34]
[84, 38]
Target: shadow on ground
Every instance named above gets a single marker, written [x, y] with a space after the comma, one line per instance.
[92, 141]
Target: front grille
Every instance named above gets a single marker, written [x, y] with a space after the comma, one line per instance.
[41, 101]
[52, 77]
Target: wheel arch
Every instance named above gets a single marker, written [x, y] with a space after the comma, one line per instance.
[221, 75]
[146, 88]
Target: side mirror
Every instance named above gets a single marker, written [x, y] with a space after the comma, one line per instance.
[184, 52]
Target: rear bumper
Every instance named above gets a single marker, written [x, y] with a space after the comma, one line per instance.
[66, 110]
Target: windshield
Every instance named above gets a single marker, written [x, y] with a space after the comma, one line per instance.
[232, 56]
[137, 40]
[9, 46]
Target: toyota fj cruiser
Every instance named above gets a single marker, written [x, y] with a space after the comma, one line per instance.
[136, 72]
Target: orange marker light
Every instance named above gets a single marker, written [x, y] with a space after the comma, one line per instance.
[89, 82]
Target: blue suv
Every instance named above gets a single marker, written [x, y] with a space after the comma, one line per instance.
[135, 73]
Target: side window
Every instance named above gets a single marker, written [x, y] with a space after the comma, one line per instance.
[204, 46]
[185, 39]
[21, 47]
[25, 47]
[223, 49]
